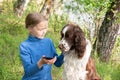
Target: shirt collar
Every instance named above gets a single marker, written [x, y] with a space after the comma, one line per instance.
[33, 38]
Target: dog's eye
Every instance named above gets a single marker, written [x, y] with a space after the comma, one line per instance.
[67, 35]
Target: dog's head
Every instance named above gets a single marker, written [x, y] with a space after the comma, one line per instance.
[73, 38]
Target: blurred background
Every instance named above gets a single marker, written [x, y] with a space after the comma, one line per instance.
[99, 19]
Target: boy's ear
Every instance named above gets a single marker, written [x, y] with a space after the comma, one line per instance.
[29, 29]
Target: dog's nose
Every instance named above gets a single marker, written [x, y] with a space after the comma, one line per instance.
[60, 46]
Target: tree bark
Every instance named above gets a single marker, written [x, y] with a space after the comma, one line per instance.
[20, 6]
[47, 7]
[108, 32]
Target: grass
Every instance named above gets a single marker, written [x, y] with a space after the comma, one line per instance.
[12, 33]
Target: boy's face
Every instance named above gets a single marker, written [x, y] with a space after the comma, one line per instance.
[39, 30]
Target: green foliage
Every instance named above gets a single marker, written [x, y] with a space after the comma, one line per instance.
[12, 32]
[10, 65]
[57, 73]
[94, 4]
[108, 71]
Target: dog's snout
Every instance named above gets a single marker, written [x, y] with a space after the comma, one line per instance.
[60, 46]
[63, 45]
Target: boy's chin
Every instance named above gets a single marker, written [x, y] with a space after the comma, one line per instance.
[40, 37]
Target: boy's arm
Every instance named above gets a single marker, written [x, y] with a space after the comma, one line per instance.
[59, 60]
[29, 68]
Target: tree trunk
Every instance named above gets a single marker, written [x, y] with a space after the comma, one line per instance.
[20, 6]
[108, 32]
[46, 9]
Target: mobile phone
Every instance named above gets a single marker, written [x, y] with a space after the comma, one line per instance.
[48, 58]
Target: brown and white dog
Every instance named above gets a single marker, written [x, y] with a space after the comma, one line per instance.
[78, 65]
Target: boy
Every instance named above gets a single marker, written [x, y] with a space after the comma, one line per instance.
[35, 49]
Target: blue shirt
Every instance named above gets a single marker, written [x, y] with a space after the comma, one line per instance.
[31, 51]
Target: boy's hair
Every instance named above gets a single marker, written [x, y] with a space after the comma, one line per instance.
[33, 19]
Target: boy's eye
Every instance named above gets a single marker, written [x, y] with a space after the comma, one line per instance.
[42, 29]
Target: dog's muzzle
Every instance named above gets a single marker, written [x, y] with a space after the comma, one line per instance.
[61, 47]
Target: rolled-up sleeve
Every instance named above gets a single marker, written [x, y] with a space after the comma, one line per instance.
[60, 58]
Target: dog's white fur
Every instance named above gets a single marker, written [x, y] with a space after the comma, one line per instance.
[74, 68]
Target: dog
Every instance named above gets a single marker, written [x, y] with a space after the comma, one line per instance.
[78, 65]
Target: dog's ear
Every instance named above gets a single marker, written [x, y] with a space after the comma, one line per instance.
[95, 76]
[80, 41]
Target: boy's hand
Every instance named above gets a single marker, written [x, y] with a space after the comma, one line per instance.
[51, 61]
[43, 60]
